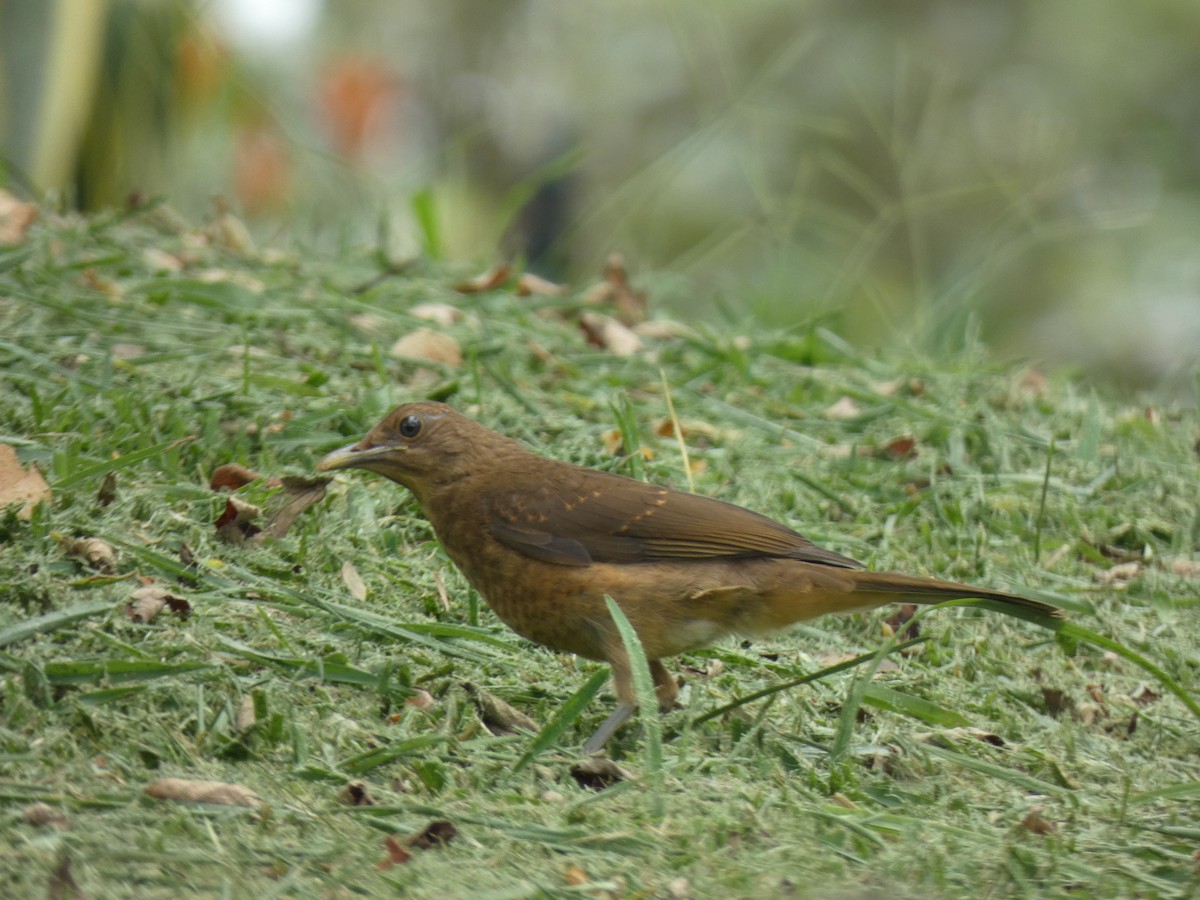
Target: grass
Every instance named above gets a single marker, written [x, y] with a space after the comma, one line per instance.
[984, 757]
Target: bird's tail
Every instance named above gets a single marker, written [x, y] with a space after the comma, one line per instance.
[911, 589]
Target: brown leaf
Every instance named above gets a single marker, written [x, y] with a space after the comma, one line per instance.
[43, 815]
[437, 833]
[1187, 568]
[1120, 574]
[1057, 702]
[899, 621]
[616, 291]
[421, 699]
[20, 485]
[1146, 696]
[487, 281]
[298, 495]
[231, 477]
[236, 523]
[108, 490]
[15, 218]
[353, 581]
[597, 773]
[355, 794]
[609, 334]
[498, 717]
[146, 603]
[63, 884]
[845, 408]
[246, 717]
[427, 344]
[396, 854]
[99, 555]
[575, 876]
[901, 447]
[529, 284]
[1036, 823]
[442, 314]
[218, 793]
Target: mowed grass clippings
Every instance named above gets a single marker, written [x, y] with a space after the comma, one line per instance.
[980, 756]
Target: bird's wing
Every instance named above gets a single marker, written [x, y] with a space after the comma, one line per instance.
[573, 519]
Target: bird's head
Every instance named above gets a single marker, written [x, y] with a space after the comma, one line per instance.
[422, 444]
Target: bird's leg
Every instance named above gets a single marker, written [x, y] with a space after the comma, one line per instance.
[665, 686]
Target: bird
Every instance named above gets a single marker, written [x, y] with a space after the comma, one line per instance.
[545, 541]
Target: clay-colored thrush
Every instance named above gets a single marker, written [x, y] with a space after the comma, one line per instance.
[545, 541]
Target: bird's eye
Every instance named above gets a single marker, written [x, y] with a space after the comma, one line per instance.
[410, 426]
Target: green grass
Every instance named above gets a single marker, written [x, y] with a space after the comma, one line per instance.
[915, 778]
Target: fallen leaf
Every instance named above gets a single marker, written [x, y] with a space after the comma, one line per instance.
[437, 833]
[218, 793]
[20, 485]
[421, 699]
[99, 555]
[396, 854]
[845, 408]
[438, 313]
[487, 281]
[1187, 568]
[108, 490]
[1120, 574]
[231, 477]
[1032, 383]
[597, 773]
[901, 447]
[246, 717]
[146, 603]
[900, 621]
[63, 884]
[1145, 697]
[575, 876]
[617, 292]
[498, 716]
[43, 815]
[15, 218]
[1057, 701]
[355, 794]
[529, 284]
[424, 343]
[1036, 823]
[127, 351]
[298, 495]
[236, 524]
[609, 334]
[157, 260]
[353, 581]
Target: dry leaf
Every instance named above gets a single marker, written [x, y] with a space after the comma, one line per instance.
[1032, 383]
[147, 602]
[575, 876]
[99, 555]
[396, 855]
[609, 334]
[1187, 568]
[437, 833]
[1035, 822]
[488, 281]
[160, 261]
[63, 884]
[219, 793]
[43, 815]
[15, 218]
[421, 699]
[353, 581]
[246, 717]
[529, 284]
[298, 495]
[598, 773]
[438, 313]
[900, 621]
[236, 523]
[355, 794]
[498, 717]
[19, 485]
[901, 447]
[845, 408]
[108, 490]
[231, 477]
[424, 343]
[616, 291]
[1120, 574]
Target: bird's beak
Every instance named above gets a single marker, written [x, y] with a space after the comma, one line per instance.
[354, 456]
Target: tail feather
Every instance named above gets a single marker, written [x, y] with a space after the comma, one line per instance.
[911, 589]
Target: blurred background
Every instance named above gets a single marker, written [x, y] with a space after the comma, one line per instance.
[904, 172]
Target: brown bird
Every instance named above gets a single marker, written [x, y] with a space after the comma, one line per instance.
[545, 541]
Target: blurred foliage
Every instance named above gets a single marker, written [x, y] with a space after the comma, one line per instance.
[916, 171]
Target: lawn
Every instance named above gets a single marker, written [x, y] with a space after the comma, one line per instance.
[331, 668]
